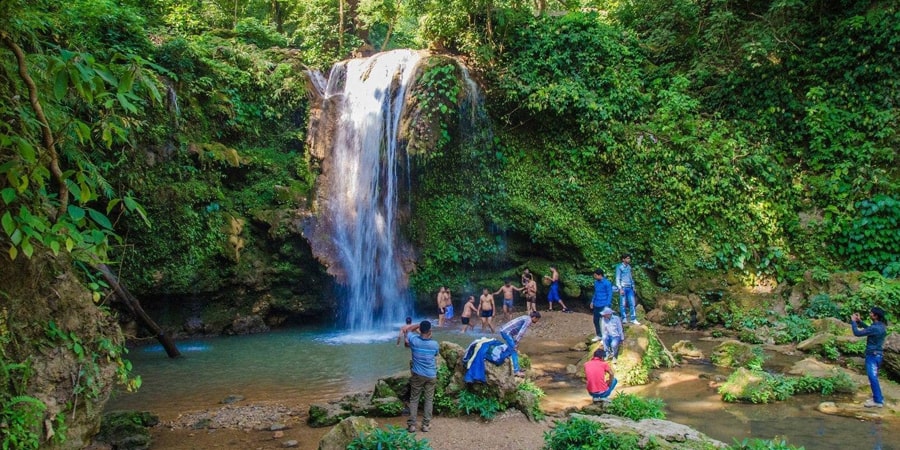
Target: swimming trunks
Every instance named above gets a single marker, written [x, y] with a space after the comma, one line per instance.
[464, 320]
[508, 303]
[487, 313]
[448, 312]
[553, 295]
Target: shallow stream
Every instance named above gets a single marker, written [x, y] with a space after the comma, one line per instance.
[303, 366]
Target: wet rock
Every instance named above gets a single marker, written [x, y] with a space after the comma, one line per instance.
[663, 433]
[687, 350]
[854, 410]
[340, 436]
[232, 399]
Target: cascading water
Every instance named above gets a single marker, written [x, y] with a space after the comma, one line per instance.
[367, 98]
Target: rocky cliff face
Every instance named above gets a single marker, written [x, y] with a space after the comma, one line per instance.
[59, 348]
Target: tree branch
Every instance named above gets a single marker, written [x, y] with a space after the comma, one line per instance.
[46, 132]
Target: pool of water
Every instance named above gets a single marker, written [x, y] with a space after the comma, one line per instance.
[302, 366]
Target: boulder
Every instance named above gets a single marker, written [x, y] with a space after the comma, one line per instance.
[832, 326]
[629, 366]
[686, 349]
[340, 436]
[817, 342]
[742, 382]
[854, 410]
[327, 414]
[662, 433]
[126, 430]
[675, 309]
[732, 353]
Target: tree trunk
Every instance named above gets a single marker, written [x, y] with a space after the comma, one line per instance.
[135, 307]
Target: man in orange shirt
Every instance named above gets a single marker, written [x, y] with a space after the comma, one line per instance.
[600, 377]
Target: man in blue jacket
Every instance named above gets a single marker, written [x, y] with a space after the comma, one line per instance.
[602, 299]
[875, 335]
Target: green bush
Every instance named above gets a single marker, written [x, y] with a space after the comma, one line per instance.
[763, 444]
[470, 403]
[586, 434]
[822, 306]
[253, 31]
[636, 408]
[839, 382]
[769, 388]
[390, 437]
[794, 329]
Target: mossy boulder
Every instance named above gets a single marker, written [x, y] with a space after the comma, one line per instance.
[664, 435]
[340, 436]
[732, 353]
[127, 430]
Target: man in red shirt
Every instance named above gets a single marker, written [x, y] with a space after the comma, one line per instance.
[600, 377]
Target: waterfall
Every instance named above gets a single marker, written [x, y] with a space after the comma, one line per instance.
[365, 98]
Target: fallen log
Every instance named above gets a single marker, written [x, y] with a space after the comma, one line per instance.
[135, 306]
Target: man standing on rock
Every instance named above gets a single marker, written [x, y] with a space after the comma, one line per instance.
[602, 299]
[424, 373]
[625, 285]
[875, 335]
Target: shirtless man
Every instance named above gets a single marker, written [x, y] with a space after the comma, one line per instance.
[441, 305]
[486, 310]
[553, 295]
[531, 295]
[469, 309]
[507, 289]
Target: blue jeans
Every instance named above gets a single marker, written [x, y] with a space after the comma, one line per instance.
[611, 345]
[510, 351]
[597, 310]
[606, 393]
[873, 360]
[626, 299]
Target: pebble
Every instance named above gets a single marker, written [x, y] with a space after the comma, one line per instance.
[289, 444]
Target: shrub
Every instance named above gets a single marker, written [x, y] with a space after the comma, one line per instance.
[821, 306]
[587, 434]
[796, 329]
[636, 408]
[762, 387]
[470, 402]
[390, 437]
[763, 444]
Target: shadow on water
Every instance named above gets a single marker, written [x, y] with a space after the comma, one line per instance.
[301, 366]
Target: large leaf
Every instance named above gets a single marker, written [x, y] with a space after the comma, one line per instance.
[100, 218]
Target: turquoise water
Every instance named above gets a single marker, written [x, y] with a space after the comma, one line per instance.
[300, 366]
